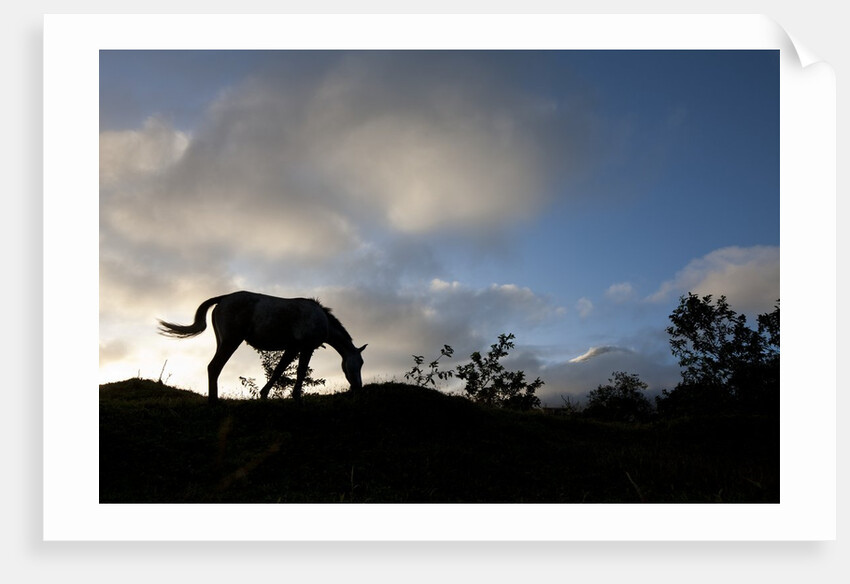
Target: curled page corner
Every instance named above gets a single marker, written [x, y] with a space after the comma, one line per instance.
[804, 55]
[791, 44]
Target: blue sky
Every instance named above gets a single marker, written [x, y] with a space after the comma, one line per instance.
[431, 198]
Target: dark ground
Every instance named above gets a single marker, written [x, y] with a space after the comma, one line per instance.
[396, 443]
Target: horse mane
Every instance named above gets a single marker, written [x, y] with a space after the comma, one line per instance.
[333, 319]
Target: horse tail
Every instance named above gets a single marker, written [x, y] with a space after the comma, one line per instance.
[182, 331]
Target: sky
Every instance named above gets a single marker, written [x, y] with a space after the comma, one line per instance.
[437, 197]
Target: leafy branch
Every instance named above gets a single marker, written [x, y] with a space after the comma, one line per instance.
[489, 383]
[424, 378]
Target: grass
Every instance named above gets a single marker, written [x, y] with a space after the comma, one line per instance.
[396, 443]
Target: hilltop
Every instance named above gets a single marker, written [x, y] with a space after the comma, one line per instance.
[397, 443]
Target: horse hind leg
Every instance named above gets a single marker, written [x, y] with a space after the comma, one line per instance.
[287, 358]
[223, 352]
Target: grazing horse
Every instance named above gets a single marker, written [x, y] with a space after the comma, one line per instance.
[296, 326]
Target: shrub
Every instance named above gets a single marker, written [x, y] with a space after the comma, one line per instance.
[489, 383]
[622, 400]
[725, 364]
[423, 378]
[269, 360]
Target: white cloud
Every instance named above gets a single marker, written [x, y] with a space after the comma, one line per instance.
[151, 149]
[620, 292]
[747, 276]
[448, 143]
[438, 285]
[584, 307]
[595, 352]
[309, 164]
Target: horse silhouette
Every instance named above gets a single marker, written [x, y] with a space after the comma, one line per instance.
[296, 326]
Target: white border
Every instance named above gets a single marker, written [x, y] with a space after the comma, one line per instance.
[71, 509]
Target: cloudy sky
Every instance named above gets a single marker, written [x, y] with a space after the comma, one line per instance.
[436, 198]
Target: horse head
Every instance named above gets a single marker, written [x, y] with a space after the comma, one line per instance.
[352, 363]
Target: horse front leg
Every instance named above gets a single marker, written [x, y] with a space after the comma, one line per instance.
[287, 358]
[303, 365]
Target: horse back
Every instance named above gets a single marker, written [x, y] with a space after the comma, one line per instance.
[274, 324]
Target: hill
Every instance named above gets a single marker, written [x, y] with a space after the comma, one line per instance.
[396, 443]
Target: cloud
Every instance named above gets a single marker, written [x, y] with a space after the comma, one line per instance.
[595, 352]
[620, 292]
[438, 285]
[334, 179]
[198, 198]
[498, 308]
[308, 163]
[424, 319]
[747, 276]
[585, 373]
[114, 350]
[584, 307]
[132, 153]
[302, 171]
[430, 141]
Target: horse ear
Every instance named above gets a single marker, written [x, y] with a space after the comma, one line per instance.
[363, 347]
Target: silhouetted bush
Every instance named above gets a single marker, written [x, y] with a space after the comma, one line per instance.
[622, 400]
[423, 378]
[692, 400]
[269, 360]
[725, 364]
[489, 383]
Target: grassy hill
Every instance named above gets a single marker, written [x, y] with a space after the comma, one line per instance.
[396, 443]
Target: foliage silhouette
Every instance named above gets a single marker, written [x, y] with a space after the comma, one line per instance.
[423, 378]
[269, 360]
[725, 364]
[622, 400]
[489, 383]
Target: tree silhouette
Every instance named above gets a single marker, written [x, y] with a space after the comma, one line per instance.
[489, 383]
[621, 400]
[269, 360]
[724, 362]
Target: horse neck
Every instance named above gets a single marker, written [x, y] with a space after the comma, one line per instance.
[340, 341]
